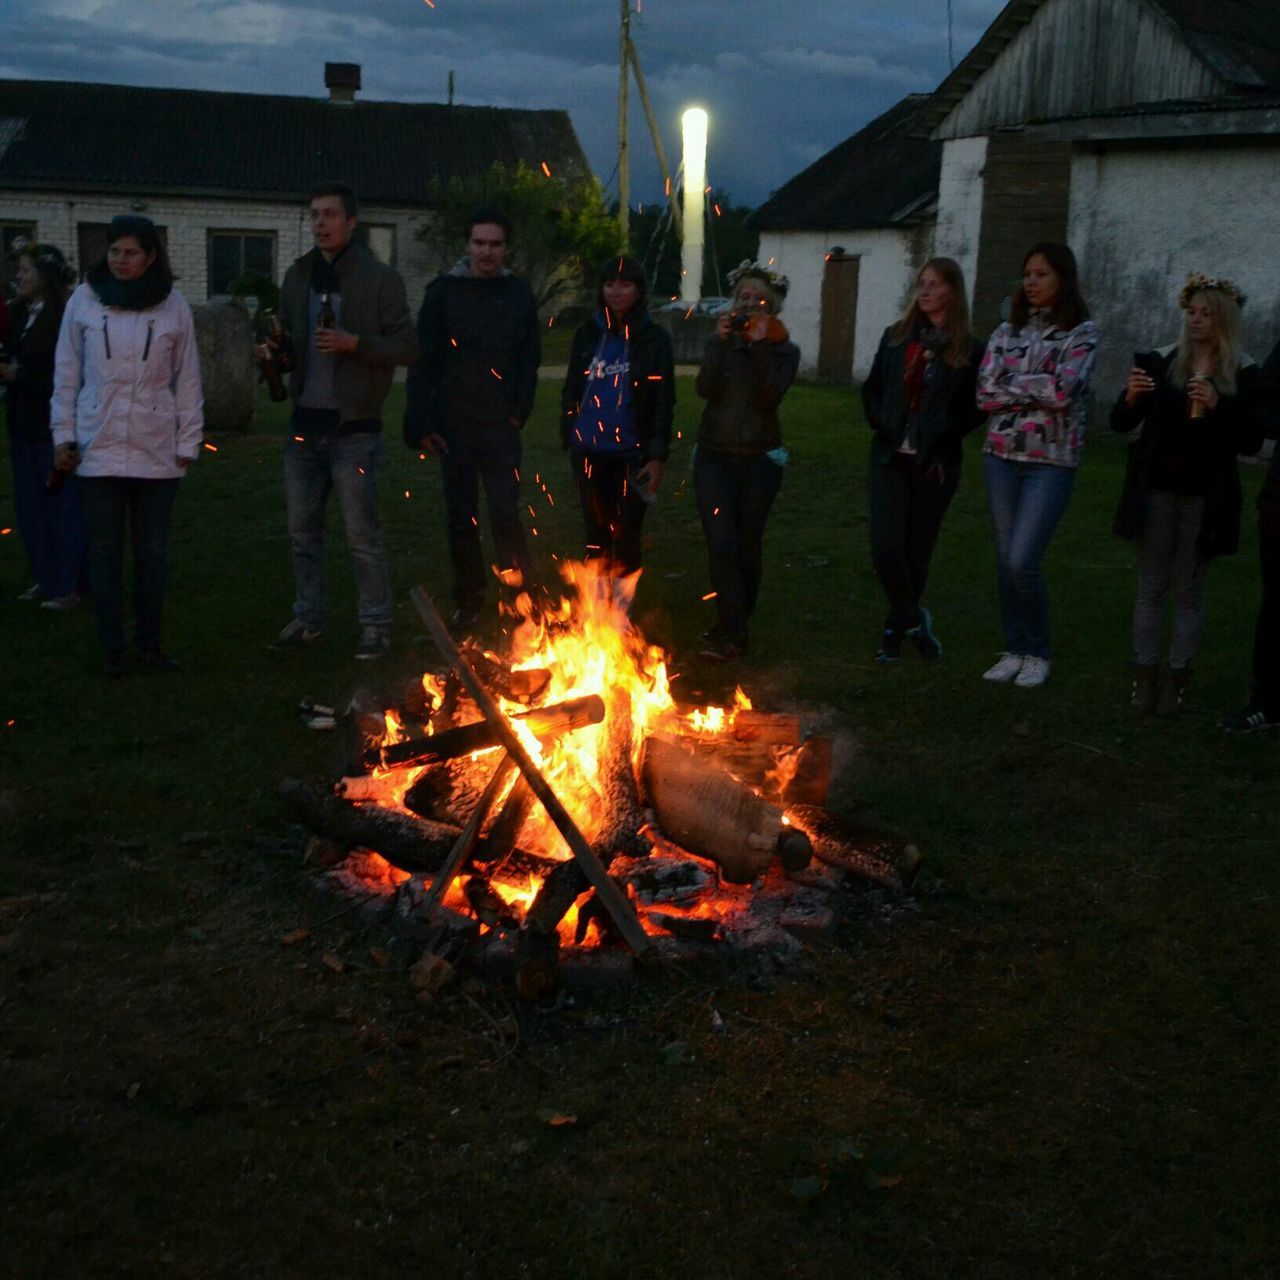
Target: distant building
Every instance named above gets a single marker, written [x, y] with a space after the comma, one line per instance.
[850, 232]
[225, 175]
[1144, 133]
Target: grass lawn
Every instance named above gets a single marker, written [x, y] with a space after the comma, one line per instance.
[1060, 1061]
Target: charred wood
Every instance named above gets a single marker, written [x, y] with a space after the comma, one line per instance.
[413, 844]
[543, 722]
[527, 687]
[869, 852]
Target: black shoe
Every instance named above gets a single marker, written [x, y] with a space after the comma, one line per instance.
[921, 635]
[890, 649]
[715, 646]
[158, 660]
[1250, 720]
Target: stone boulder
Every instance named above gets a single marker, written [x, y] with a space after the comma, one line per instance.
[228, 368]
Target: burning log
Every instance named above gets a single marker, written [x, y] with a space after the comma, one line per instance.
[620, 801]
[470, 836]
[543, 722]
[413, 844]
[526, 687]
[775, 728]
[874, 855]
[791, 773]
[615, 902]
[503, 833]
[714, 815]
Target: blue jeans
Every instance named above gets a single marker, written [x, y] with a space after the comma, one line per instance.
[51, 525]
[312, 467]
[112, 505]
[734, 497]
[1026, 500]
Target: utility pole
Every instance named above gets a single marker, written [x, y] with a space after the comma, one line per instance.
[624, 159]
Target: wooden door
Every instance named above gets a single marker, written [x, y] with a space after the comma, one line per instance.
[839, 318]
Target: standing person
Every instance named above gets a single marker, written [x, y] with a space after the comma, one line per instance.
[127, 416]
[49, 516]
[616, 409]
[748, 365]
[1033, 381]
[468, 399]
[919, 402]
[1262, 711]
[347, 320]
[1181, 499]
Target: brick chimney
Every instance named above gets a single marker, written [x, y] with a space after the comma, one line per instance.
[342, 79]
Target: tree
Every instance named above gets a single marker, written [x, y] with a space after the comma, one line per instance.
[562, 230]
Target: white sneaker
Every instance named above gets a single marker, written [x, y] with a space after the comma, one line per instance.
[1035, 671]
[1006, 668]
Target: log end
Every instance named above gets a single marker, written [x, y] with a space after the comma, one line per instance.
[795, 850]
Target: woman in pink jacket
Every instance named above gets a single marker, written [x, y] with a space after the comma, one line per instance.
[127, 417]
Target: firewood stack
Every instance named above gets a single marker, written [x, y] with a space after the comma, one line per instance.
[457, 800]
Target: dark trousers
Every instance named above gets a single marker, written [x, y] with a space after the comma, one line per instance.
[612, 506]
[734, 497]
[112, 505]
[906, 503]
[51, 525]
[488, 455]
[1266, 640]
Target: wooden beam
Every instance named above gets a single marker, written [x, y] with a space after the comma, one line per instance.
[614, 900]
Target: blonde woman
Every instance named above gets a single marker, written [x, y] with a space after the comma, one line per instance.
[1181, 499]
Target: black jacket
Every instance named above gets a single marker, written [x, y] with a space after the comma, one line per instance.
[1268, 400]
[480, 354]
[653, 383]
[32, 387]
[1212, 443]
[375, 309]
[948, 404]
[743, 383]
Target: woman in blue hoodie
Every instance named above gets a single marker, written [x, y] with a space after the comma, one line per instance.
[616, 409]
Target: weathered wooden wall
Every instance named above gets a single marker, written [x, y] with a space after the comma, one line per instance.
[1082, 56]
[1026, 190]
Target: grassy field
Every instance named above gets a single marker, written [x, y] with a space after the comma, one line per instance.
[1060, 1060]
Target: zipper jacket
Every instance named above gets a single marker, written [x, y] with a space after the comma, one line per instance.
[1034, 383]
[126, 387]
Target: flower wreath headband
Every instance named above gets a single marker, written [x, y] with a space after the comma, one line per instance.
[775, 279]
[1197, 282]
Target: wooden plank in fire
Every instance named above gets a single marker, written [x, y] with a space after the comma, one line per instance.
[614, 900]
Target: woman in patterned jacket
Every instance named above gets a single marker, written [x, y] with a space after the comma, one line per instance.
[1033, 382]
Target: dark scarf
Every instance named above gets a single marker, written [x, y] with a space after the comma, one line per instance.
[324, 273]
[149, 290]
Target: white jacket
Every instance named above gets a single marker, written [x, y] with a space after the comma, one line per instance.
[126, 387]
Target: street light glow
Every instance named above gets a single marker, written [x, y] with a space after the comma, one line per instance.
[693, 125]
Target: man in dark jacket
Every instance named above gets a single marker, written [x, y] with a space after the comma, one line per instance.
[348, 324]
[1263, 710]
[468, 399]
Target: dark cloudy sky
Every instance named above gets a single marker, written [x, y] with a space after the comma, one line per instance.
[783, 80]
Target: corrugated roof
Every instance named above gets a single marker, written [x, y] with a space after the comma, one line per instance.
[879, 177]
[122, 138]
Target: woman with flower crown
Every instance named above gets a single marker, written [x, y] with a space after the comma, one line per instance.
[737, 470]
[1181, 498]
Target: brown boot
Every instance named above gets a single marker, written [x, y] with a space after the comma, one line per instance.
[1143, 697]
[1173, 691]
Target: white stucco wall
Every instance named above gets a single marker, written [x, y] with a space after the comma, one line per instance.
[1141, 219]
[885, 275]
[188, 221]
[960, 205]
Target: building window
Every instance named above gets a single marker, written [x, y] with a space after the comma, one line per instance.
[237, 254]
[91, 243]
[379, 238]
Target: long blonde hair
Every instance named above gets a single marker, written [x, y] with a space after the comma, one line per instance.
[1224, 311]
[957, 321]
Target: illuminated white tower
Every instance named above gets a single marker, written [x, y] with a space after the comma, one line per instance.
[694, 127]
